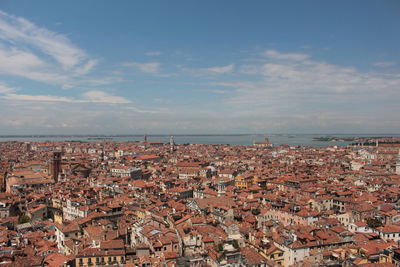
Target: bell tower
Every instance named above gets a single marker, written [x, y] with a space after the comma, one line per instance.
[172, 144]
[145, 141]
[55, 166]
[221, 188]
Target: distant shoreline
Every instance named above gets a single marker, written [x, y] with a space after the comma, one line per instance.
[319, 137]
[317, 140]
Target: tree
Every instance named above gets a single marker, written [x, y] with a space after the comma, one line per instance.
[23, 219]
[255, 212]
[235, 244]
[373, 222]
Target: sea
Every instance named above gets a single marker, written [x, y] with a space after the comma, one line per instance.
[229, 139]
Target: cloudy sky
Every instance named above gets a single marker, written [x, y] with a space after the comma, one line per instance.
[133, 67]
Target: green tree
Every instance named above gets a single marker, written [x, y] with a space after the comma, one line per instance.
[255, 212]
[24, 219]
[373, 222]
[235, 244]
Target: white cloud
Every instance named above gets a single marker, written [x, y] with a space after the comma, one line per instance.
[139, 110]
[287, 73]
[93, 96]
[36, 53]
[39, 98]
[215, 70]
[25, 64]
[384, 64]
[86, 67]
[221, 69]
[6, 89]
[289, 56]
[148, 67]
[97, 81]
[102, 97]
[19, 30]
[288, 92]
[86, 114]
[249, 69]
[327, 96]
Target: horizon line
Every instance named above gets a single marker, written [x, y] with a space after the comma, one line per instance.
[182, 134]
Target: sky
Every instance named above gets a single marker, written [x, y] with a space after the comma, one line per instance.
[199, 67]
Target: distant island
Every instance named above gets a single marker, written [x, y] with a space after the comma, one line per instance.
[100, 138]
[365, 141]
[336, 139]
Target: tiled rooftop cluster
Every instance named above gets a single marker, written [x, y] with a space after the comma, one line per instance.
[153, 204]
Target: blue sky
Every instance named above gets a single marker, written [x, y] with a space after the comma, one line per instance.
[85, 67]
